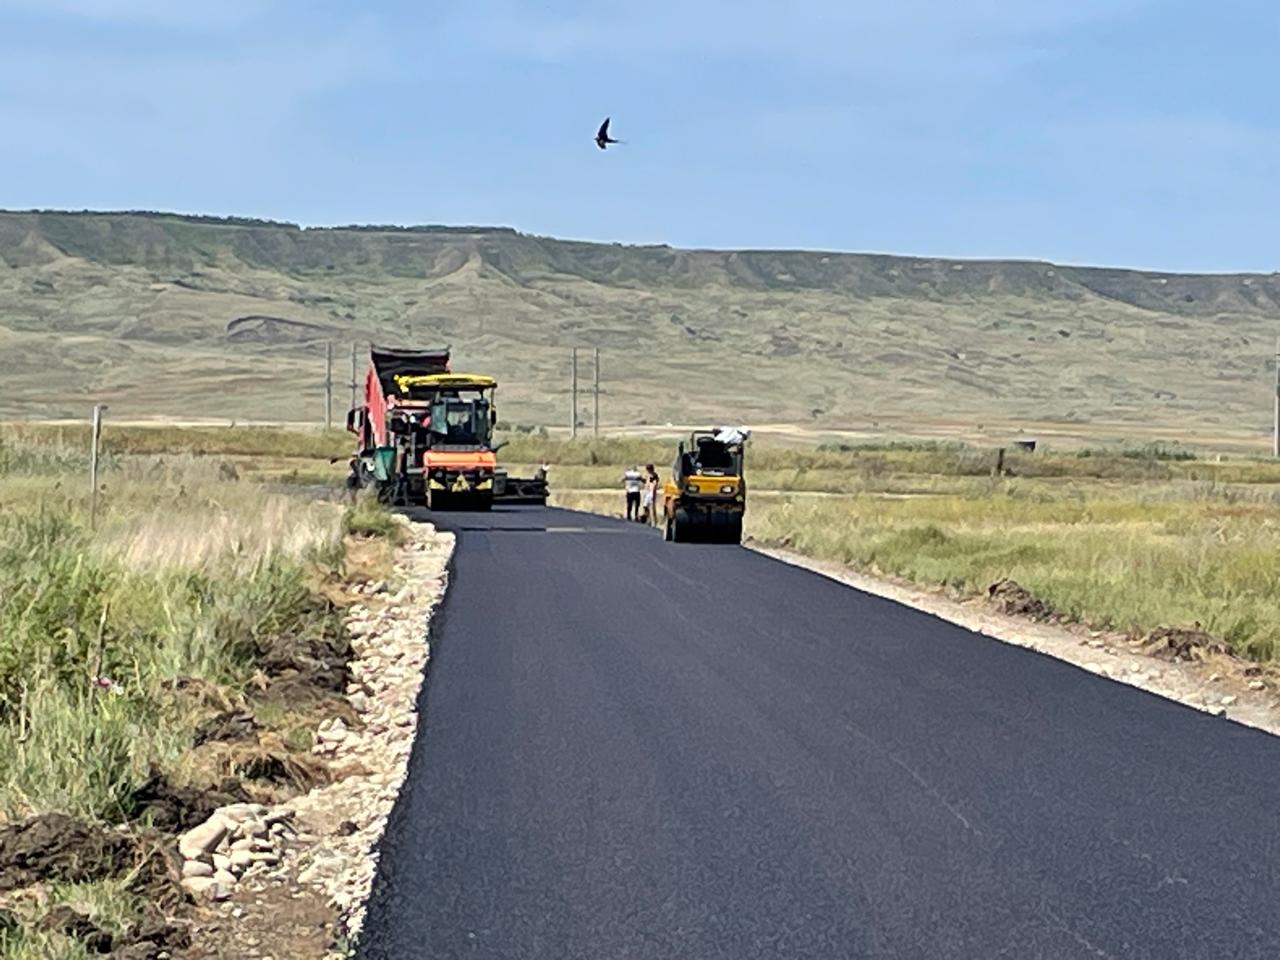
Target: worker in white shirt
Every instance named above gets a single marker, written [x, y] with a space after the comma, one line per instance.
[633, 483]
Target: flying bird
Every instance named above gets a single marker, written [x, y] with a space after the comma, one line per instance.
[602, 135]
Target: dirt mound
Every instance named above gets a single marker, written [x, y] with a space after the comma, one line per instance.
[156, 874]
[152, 938]
[54, 846]
[1183, 644]
[302, 668]
[269, 761]
[227, 727]
[178, 809]
[1013, 598]
[70, 922]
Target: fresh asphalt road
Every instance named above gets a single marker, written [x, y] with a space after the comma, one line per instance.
[634, 749]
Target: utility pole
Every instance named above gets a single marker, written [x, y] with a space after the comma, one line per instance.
[328, 384]
[595, 367]
[573, 390]
[96, 434]
[1275, 418]
[353, 378]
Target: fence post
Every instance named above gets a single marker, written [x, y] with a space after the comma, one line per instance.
[96, 434]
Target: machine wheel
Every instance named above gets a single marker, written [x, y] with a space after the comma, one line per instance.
[733, 532]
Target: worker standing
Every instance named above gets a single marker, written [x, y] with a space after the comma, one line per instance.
[632, 482]
[649, 502]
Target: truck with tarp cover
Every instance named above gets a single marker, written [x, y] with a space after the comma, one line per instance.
[425, 435]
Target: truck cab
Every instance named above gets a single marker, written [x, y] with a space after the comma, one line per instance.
[451, 461]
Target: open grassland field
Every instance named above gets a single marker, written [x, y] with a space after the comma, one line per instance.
[1128, 536]
[200, 604]
[200, 318]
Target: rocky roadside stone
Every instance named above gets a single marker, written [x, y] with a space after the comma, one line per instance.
[327, 839]
[236, 838]
[389, 641]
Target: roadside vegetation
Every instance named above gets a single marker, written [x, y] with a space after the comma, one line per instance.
[172, 658]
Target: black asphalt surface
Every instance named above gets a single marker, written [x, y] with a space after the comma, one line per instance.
[634, 749]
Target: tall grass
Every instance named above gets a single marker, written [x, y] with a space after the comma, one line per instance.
[185, 572]
[202, 441]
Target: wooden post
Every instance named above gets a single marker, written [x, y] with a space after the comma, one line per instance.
[328, 384]
[96, 435]
[999, 470]
[353, 377]
[1275, 417]
[595, 419]
[573, 389]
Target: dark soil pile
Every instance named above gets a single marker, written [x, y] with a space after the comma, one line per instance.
[54, 846]
[1015, 599]
[178, 809]
[1183, 644]
[230, 726]
[157, 873]
[151, 938]
[70, 922]
[306, 667]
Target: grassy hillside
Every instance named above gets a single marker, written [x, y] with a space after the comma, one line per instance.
[199, 317]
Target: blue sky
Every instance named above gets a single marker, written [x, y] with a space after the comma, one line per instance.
[1119, 132]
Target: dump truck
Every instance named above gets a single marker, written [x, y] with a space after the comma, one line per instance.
[424, 435]
[706, 496]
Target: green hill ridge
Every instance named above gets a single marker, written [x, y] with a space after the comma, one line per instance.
[194, 317]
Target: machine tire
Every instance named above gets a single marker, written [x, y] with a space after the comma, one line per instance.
[733, 532]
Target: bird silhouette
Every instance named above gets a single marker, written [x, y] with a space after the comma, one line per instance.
[602, 135]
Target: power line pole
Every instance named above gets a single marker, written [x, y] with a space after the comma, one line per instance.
[1275, 418]
[95, 436]
[353, 378]
[328, 384]
[595, 367]
[573, 390]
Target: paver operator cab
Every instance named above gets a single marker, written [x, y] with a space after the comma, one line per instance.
[425, 435]
[706, 497]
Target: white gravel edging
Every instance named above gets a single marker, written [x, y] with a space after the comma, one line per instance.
[389, 640]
